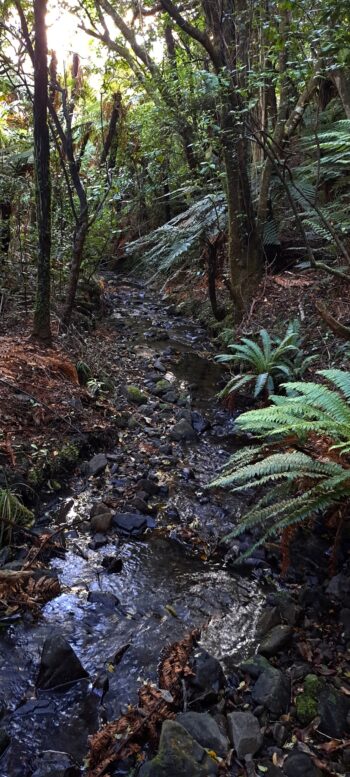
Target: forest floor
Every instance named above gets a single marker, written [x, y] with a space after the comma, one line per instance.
[165, 437]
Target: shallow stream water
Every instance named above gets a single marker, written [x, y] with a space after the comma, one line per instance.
[163, 590]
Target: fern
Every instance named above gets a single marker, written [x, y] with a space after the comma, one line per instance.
[310, 476]
[267, 364]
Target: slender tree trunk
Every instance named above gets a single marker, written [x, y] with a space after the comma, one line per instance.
[41, 325]
[80, 234]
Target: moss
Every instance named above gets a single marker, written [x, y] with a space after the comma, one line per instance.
[67, 457]
[307, 701]
[162, 386]
[135, 395]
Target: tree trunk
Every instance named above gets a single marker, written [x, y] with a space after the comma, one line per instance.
[80, 234]
[41, 325]
[341, 79]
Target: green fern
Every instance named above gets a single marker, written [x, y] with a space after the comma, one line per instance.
[267, 364]
[12, 513]
[310, 476]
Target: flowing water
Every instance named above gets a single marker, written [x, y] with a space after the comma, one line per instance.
[162, 591]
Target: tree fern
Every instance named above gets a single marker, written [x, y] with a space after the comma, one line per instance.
[302, 460]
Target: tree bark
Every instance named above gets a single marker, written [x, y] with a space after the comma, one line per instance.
[41, 325]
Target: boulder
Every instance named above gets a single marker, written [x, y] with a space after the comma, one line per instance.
[183, 430]
[205, 730]
[59, 664]
[272, 690]
[208, 676]
[334, 708]
[101, 522]
[136, 396]
[96, 465]
[275, 639]
[179, 755]
[255, 665]
[132, 524]
[244, 732]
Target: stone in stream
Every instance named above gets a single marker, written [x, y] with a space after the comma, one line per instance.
[51, 764]
[299, 764]
[199, 423]
[183, 430]
[59, 664]
[135, 395]
[275, 639]
[208, 678]
[272, 690]
[179, 755]
[149, 486]
[4, 741]
[132, 524]
[105, 598]
[205, 730]
[96, 465]
[244, 732]
[255, 665]
[101, 518]
[334, 708]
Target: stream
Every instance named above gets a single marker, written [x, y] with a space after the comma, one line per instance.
[165, 586]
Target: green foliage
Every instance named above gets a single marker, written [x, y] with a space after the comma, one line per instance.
[312, 476]
[12, 513]
[268, 364]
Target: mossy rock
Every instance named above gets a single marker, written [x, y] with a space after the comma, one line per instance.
[136, 396]
[161, 387]
[307, 701]
[66, 458]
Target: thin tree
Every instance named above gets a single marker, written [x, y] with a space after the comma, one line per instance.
[42, 325]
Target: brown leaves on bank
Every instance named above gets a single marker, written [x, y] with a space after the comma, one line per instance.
[26, 588]
[124, 737]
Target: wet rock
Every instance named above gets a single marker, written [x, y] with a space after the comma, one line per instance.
[171, 396]
[98, 541]
[205, 730]
[105, 598]
[139, 504]
[179, 754]
[101, 522]
[135, 395]
[280, 734]
[132, 524]
[96, 465]
[4, 741]
[199, 423]
[276, 639]
[208, 678]
[334, 708]
[59, 664]
[269, 618]
[255, 665]
[158, 365]
[112, 564]
[300, 765]
[244, 732]
[183, 431]
[272, 689]
[55, 765]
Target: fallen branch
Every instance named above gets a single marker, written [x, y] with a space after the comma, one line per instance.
[335, 326]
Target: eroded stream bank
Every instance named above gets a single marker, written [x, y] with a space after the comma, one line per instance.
[171, 437]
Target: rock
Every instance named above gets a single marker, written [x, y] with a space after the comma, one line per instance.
[112, 564]
[96, 465]
[179, 755]
[205, 730]
[4, 741]
[333, 707]
[272, 689]
[339, 588]
[51, 764]
[199, 423]
[161, 387]
[105, 598]
[244, 732]
[344, 619]
[158, 365]
[171, 396]
[300, 765]
[269, 618]
[208, 677]
[149, 486]
[136, 396]
[307, 702]
[98, 541]
[183, 431]
[101, 522]
[255, 665]
[59, 664]
[275, 640]
[280, 734]
[132, 524]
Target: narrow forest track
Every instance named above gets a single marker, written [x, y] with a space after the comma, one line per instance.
[168, 580]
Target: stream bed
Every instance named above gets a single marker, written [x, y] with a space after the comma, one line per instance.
[164, 588]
